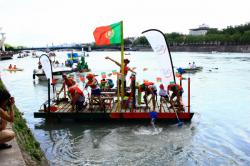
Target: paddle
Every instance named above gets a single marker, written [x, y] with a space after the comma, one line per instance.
[153, 116]
[179, 122]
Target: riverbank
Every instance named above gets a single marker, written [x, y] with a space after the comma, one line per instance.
[28, 148]
[204, 48]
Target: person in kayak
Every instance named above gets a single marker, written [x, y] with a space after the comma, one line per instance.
[10, 67]
[177, 92]
[126, 69]
[149, 89]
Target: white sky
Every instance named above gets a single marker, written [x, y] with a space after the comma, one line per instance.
[42, 22]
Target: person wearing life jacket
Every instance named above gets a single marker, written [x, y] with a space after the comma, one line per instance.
[110, 83]
[10, 67]
[149, 89]
[66, 82]
[126, 69]
[163, 93]
[103, 84]
[95, 89]
[14, 67]
[177, 92]
[93, 84]
[77, 98]
[106, 84]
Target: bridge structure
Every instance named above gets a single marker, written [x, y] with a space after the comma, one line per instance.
[87, 48]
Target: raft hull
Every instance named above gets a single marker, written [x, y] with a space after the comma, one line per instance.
[115, 116]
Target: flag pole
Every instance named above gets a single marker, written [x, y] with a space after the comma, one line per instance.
[122, 62]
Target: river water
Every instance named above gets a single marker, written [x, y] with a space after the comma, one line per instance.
[219, 133]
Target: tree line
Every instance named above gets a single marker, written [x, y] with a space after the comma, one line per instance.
[237, 35]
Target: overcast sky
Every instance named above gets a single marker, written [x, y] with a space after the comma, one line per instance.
[42, 22]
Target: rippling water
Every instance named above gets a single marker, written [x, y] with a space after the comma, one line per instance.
[219, 133]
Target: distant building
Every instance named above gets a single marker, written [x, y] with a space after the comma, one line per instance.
[202, 30]
[2, 39]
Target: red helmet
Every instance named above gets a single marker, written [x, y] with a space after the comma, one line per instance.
[90, 76]
[161, 86]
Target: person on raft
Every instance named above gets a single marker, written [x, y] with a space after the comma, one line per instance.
[150, 89]
[106, 84]
[163, 93]
[77, 98]
[177, 92]
[95, 89]
[126, 69]
[14, 67]
[66, 82]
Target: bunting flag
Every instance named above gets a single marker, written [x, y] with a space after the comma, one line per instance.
[82, 78]
[103, 76]
[114, 72]
[178, 75]
[158, 79]
[107, 35]
[133, 68]
[103, 73]
[110, 74]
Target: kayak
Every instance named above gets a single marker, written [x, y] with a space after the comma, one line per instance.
[14, 69]
[192, 70]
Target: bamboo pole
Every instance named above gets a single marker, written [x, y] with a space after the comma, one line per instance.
[188, 94]
[122, 62]
[118, 95]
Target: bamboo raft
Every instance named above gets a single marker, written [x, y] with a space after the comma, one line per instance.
[62, 109]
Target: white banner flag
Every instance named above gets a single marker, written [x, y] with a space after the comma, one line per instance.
[46, 66]
[159, 45]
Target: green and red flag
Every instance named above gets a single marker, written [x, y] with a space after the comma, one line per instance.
[107, 35]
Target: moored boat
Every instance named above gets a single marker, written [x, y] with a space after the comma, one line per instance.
[57, 73]
[192, 70]
[4, 55]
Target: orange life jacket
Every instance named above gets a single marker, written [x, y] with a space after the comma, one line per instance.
[75, 89]
[174, 87]
[126, 68]
[69, 82]
[90, 83]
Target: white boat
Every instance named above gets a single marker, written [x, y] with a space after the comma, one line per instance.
[57, 73]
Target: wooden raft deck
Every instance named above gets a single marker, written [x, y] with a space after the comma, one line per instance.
[111, 113]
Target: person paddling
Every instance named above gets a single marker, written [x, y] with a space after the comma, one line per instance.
[177, 92]
[66, 82]
[10, 66]
[77, 98]
[150, 89]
